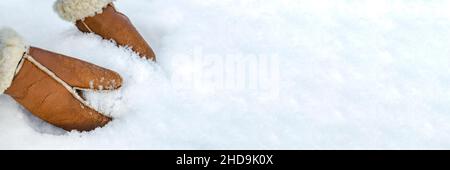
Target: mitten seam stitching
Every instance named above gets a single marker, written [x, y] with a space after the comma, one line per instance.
[59, 80]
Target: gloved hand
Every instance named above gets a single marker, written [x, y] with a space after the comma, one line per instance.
[49, 84]
[100, 17]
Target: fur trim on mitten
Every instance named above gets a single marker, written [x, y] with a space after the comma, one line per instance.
[73, 10]
[12, 49]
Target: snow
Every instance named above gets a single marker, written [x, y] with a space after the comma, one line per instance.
[255, 74]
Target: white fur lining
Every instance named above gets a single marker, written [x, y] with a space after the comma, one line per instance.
[74, 10]
[12, 49]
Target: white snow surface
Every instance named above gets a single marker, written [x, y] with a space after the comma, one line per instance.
[327, 74]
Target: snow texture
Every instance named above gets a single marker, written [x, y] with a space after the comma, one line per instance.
[255, 74]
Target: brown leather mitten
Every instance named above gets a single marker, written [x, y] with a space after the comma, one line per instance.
[48, 84]
[100, 17]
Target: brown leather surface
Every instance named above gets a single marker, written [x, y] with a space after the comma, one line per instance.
[44, 97]
[76, 72]
[114, 25]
